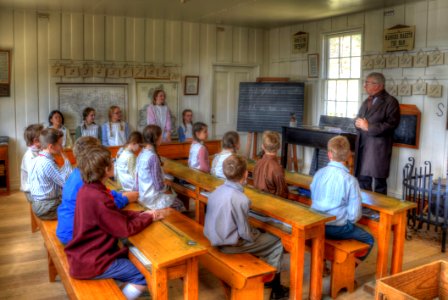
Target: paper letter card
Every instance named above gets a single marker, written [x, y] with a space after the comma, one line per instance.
[299, 42]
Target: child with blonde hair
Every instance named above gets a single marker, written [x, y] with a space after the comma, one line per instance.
[126, 161]
[116, 131]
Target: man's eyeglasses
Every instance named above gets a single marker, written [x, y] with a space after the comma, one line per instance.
[370, 83]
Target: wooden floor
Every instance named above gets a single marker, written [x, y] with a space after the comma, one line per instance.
[23, 261]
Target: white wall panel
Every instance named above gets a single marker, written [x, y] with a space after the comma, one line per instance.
[224, 44]
[437, 23]
[373, 31]
[240, 45]
[173, 42]
[115, 38]
[154, 37]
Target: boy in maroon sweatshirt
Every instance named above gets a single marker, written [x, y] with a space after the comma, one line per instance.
[94, 252]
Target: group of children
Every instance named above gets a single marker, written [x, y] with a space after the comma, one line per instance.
[90, 217]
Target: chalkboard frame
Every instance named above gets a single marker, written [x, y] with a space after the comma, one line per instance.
[411, 110]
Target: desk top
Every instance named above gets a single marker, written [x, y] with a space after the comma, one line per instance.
[290, 212]
[375, 201]
[164, 244]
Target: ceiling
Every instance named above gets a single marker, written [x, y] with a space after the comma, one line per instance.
[252, 13]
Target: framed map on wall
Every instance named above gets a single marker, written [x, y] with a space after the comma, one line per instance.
[145, 91]
[74, 97]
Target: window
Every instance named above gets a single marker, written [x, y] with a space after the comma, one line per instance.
[343, 73]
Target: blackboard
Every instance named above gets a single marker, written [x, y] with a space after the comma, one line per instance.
[268, 105]
[407, 133]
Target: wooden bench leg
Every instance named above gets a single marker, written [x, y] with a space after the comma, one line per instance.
[343, 275]
[191, 283]
[52, 272]
[254, 289]
[34, 224]
[159, 284]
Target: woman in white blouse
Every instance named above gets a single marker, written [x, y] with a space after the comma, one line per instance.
[115, 132]
[88, 126]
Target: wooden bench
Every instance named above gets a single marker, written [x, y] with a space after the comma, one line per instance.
[244, 273]
[341, 253]
[58, 265]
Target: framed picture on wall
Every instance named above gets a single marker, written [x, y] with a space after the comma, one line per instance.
[5, 73]
[191, 85]
[313, 65]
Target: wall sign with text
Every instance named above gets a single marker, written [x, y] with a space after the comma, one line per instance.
[300, 42]
[399, 38]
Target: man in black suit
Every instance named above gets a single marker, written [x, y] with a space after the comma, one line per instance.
[377, 119]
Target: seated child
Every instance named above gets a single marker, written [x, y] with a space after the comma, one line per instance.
[198, 158]
[185, 130]
[45, 179]
[66, 211]
[336, 192]
[149, 174]
[126, 160]
[227, 226]
[88, 126]
[31, 135]
[116, 131]
[94, 253]
[230, 145]
[56, 120]
[268, 174]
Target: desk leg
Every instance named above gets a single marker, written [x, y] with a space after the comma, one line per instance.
[384, 230]
[398, 246]
[297, 262]
[317, 258]
[191, 280]
[160, 284]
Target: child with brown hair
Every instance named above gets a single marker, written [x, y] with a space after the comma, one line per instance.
[158, 113]
[31, 135]
[230, 145]
[88, 126]
[198, 158]
[227, 226]
[336, 192]
[94, 253]
[185, 130]
[126, 160]
[268, 174]
[66, 211]
[116, 131]
[149, 181]
[45, 179]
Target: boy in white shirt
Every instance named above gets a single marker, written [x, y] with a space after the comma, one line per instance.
[31, 136]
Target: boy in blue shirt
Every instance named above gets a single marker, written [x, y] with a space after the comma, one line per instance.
[66, 211]
[336, 192]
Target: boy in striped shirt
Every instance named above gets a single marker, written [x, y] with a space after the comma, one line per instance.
[45, 178]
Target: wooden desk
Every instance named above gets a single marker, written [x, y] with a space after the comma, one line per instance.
[306, 225]
[174, 150]
[171, 257]
[392, 218]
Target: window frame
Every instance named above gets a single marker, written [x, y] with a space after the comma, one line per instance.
[326, 64]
